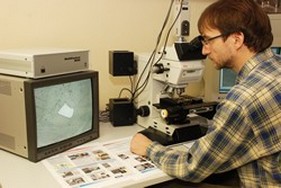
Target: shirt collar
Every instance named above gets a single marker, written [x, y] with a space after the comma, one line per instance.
[252, 63]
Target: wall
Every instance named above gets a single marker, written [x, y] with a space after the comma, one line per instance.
[97, 25]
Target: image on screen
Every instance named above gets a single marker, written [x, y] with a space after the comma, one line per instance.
[63, 111]
[227, 80]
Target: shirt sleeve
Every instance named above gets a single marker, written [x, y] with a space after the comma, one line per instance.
[223, 148]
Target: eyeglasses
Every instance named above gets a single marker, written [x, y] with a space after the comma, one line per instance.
[206, 41]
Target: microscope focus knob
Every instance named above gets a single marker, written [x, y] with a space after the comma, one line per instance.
[143, 111]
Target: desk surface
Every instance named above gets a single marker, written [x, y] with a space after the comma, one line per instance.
[19, 172]
[16, 171]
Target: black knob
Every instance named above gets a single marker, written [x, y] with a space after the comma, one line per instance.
[143, 111]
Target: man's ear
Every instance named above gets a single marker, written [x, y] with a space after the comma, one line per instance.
[238, 39]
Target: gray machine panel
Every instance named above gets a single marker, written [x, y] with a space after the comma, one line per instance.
[39, 63]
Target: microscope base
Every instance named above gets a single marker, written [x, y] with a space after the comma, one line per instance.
[183, 134]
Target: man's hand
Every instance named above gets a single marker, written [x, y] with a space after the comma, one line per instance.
[139, 144]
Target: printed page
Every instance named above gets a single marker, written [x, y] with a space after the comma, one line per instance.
[101, 165]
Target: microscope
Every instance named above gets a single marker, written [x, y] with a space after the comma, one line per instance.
[170, 115]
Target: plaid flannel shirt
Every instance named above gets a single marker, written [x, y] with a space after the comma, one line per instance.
[245, 133]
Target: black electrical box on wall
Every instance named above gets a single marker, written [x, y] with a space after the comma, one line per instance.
[121, 63]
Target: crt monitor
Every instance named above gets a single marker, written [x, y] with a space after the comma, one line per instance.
[42, 117]
[226, 80]
[217, 82]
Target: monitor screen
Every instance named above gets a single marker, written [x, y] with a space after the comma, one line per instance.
[276, 50]
[226, 80]
[63, 110]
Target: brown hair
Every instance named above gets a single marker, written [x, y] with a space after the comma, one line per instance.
[246, 16]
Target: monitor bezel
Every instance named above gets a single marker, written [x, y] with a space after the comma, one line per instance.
[35, 154]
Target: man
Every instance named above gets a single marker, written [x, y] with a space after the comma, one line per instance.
[246, 129]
